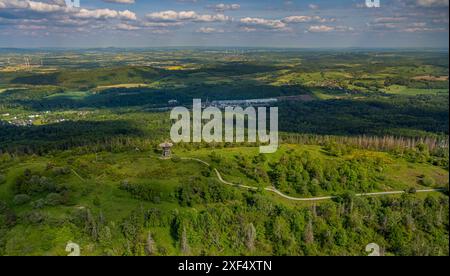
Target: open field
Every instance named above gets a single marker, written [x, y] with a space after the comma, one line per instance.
[403, 90]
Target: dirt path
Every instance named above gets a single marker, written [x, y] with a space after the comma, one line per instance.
[274, 190]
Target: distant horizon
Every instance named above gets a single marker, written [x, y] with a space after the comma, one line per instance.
[227, 47]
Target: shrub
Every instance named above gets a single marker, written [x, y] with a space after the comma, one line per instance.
[125, 185]
[3, 206]
[53, 199]
[38, 204]
[61, 171]
[30, 184]
[176, 159]
[34, 217]
[21, 199]
[427, 181]
[96, 201]
[2, 179]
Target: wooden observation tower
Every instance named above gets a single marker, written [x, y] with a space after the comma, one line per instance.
[166, 150]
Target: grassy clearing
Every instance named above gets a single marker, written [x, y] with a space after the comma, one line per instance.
[403, 90]
[70, 95]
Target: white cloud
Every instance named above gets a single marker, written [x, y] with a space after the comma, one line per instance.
[120, 1]
[209, 30]
[433, 3]
[320, 29]
[262, 22]
[389, 19]
[326, 29]
[419, 24]
[225, 7]
[104, 14]
[423, 29]
[127, 15]
[174, 16]
[30, 5]
[42, 7]
[127, 27]
[56, 17]
[306, 18]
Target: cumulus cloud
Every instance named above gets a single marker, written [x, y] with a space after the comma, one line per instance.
[423, 29]
[326, 29]
[408, 16]
[255, 22]
[54, 16]
[105, 14]
[224, 7]
[416, 16]
[30, 5]
[174, 16]
[433, 3]
[320, 29]
[306, 18]
[127, 27]
[209, 30]
[21, 7]
[388, 19]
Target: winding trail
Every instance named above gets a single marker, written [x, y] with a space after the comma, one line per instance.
[274, 190]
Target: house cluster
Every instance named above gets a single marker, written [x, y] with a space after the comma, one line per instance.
[20, 122]
[242, 103]
[29, 120]
[24, 121]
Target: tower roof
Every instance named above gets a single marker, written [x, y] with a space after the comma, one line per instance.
[166, 145]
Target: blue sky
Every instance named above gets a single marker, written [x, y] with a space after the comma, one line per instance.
[251, 23]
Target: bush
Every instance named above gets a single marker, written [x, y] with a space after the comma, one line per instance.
[146, 191]
[427, 181]
[34, 217]
[53, 199]
[196, 191]
[2, 179]
[21, 199]
[38, 204]
[176, 159]
[61, 171]
[3, 206]
[96, 201]
[125, 185]
[30, 184]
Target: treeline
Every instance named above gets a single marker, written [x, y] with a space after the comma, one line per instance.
[419, 84]
[63, 136]
[383, 143]
[415, 116]
[433, 150]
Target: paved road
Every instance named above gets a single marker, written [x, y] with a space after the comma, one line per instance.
[274, 190]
